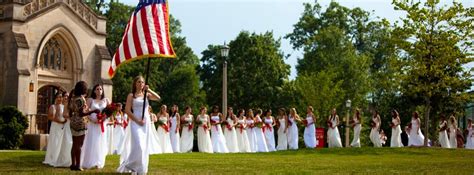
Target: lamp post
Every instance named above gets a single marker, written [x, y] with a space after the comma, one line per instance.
[224, 53]
[348, 106]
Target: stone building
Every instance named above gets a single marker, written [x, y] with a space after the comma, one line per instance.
[47, 46]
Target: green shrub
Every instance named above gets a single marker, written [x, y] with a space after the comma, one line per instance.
[12, 127]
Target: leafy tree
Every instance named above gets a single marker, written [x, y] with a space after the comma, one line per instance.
[12, 127]
[256, 72]
[436, 41]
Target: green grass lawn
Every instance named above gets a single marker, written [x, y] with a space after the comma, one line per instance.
[345, 160]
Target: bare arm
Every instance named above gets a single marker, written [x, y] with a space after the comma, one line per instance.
[153, 95]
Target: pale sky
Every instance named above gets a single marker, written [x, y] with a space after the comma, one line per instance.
[214, 22]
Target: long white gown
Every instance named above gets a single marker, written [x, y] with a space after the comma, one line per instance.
[443, 136]
[118, 133]
[269, 134]
[164, 136]
[135, 154]
[261, 143]
[219, 144]
[154, 140]
[174, 134]
[187, 135]
[204, 139]
[109, 136]
[251, 135]
[453, 143]
[95, 146]
[356, 140]
[282, 136]
[292, 133]
[416, 137]
[375, 135]
[469, 138]
[242, 138]
[310, 133]
[396, 139]
[58, 150]
[231, 137]
[334, 139]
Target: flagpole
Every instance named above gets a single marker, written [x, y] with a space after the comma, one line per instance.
[146, 82]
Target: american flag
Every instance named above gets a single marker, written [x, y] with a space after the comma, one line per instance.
[146, 35]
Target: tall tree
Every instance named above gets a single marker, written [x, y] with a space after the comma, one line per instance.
[436, 41]
[256, 71]
[332, 42]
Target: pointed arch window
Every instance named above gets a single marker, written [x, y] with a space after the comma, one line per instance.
[54, 55]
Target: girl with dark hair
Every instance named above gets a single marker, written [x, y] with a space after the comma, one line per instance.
[229, 131]
[242, 138]
[78, 110]
[334, 139]
[443, 135]
[187, 135]
[217, 137]
[396, 139]
[374, 132]
[416, 137]
[95, 143]
[269, 123]
[60, 139]
[135, 154]
[356, 124]
[174, 128]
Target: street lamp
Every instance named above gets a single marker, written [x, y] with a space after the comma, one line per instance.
[348, 106]
[224, 53]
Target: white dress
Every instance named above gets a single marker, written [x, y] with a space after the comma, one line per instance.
[95, 146]
[204, 139]
[292, 133]
[109, 136]
[119, 134]
[374, 134]
[251, 135]
[396, 139]
[469, 138]
[58, 150]
[334, 139]
[231, 137]
[443, 136]
[135, 154]
[154, 139]
[219, 144]
[269, 134]
[242, 138]
[282, 136]
[452, 136]
[174, 134]
[416, 137]
[260, 142]
[187, 135]
[164, 136]
[310, 133]
[356, 140]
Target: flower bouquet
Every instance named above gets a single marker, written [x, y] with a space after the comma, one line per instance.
[240, 126]
[305, 122]
[189, 123]
[373, 124]
[259, 124]
[201, 123]
[392, 124]
[163, 124]
[443, 127]
[227, 125]
[329, 123]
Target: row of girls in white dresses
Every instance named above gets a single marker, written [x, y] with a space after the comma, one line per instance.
[415, 136]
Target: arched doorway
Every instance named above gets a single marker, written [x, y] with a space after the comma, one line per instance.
[45, 99]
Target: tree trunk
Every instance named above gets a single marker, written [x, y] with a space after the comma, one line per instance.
[427, 120]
